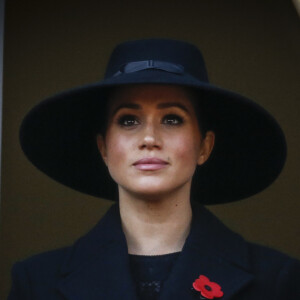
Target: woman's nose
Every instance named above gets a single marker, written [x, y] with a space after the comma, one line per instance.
[150, 138]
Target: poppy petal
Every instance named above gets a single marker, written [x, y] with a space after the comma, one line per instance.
[207, 288]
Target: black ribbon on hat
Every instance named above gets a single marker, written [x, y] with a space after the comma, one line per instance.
[136, 66]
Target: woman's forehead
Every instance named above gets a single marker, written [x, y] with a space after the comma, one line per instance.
[150, 94]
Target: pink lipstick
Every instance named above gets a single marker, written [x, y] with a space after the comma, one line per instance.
[150, 164]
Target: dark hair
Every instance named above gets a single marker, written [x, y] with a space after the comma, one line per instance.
[200, 108]
[101, 108]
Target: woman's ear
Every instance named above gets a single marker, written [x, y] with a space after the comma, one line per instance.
[206, 148]
[102, 147]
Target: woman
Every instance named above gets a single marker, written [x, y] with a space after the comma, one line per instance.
[159, 138]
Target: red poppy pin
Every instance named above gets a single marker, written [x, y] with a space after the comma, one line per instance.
[207, 288]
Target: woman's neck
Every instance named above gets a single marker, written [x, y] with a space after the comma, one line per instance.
[155, 227]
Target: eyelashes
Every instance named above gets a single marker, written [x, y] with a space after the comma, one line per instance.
[172, 119]
[128, 121]
[132, 120]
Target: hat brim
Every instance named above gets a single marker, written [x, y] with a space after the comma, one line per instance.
[58, 137]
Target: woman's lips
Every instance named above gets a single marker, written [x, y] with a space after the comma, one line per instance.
[150, 164]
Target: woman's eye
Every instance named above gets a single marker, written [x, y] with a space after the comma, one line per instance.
[172, 120]
[128, 121]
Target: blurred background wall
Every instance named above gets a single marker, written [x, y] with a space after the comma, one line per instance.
[251, 47]
[1, 72]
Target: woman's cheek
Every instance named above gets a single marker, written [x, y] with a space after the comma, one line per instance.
[186, 147]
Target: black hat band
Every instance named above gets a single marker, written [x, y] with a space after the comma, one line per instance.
[136, 66]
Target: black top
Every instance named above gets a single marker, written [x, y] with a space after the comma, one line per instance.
[150, 272]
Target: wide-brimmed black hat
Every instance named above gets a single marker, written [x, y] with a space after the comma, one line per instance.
[58, 135]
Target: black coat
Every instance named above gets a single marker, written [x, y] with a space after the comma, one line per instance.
[96, 267]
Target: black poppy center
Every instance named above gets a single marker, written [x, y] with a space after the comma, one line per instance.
[208, 287]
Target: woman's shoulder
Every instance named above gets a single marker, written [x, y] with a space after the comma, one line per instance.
[41, 270]
[211, 233]
[49, 255]
[267, 254]
[48, 262]
[263, 259]
[274, 271]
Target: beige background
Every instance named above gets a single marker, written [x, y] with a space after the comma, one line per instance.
[251, 47]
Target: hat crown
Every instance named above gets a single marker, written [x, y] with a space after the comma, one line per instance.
[162, 50]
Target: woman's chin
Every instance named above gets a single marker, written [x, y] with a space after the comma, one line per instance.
[148, 194]
[151, 192]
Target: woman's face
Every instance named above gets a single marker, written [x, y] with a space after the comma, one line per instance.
[153, 142]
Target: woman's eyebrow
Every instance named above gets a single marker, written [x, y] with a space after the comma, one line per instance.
[173, 104]
[126, 105]
[159, 106]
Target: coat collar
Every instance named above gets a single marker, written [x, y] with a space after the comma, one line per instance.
[97, 266]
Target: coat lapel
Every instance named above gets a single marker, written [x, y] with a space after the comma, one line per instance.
[211, 250]
[97, 266]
